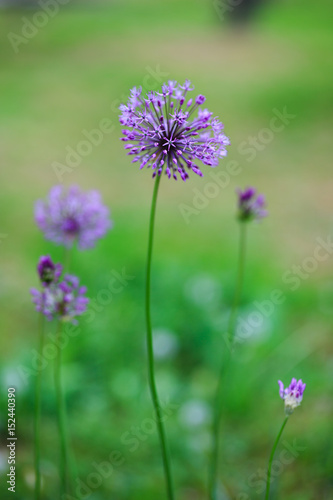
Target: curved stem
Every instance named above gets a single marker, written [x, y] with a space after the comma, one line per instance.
[72, 464]
[271, 458]
[149, 340]
[61, 415]
[219, 395]
[67, 256]
[38, 410]
[239, 284]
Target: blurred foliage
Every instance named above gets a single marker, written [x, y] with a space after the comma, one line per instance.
[72, 74]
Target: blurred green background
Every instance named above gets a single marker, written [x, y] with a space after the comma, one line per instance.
[65, 79]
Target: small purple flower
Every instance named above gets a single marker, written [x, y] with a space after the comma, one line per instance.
[63, 300]
[72, 215]
[291, 395]
[250, 205]
[167, 131]
[48, 271]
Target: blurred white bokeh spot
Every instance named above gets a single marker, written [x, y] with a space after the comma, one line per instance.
[165, 343]
[195, 413]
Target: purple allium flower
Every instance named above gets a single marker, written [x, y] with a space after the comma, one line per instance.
[72, 215]
[292, 395]
[63, 300]
[250, 205]
[168, 130]
[48, 271]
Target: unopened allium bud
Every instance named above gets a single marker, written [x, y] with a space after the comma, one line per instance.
[250, 205]
[292, 395]
[63, 299]
[48, 271]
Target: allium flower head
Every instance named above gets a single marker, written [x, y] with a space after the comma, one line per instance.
[292, 395]
[48, 271]
[72, 215]
[61, 300]
[167, 130]
[251, 205]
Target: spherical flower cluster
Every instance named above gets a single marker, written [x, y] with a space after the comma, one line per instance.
[69, 216]
[250, 206]
[292, 395]
[169, 131]
[58, 299]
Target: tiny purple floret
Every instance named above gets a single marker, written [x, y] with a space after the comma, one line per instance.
[169, 132]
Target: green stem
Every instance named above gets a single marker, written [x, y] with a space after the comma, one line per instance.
[149, 339]
[271, 458]
[38, 410]
[67, 255]
[72, 463]
[239, 284]
[219, 395]
[61, 415]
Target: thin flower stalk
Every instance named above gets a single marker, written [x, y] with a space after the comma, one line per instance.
[37, 415]
[250, 207]
[219, 395]
[150, 351]
[65, 479]
[269, 470]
